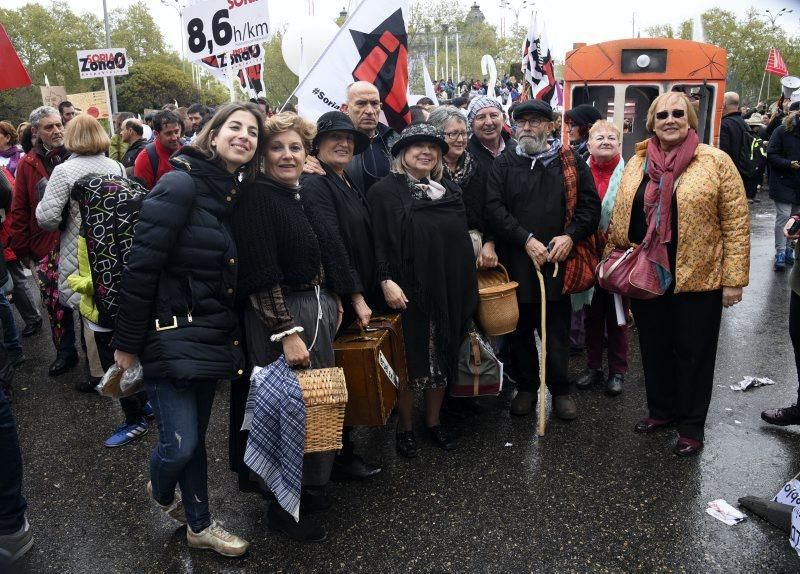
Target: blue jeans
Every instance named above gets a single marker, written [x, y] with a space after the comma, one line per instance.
[182, 411]
[12, 503]
[10, 333]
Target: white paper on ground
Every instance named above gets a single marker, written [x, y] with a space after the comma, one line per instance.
[723, 511]
[752, 382]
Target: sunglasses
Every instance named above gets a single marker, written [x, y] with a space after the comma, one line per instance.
[677, 114]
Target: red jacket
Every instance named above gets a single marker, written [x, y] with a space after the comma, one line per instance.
[5, 230]
[27, 238]
[143, 170]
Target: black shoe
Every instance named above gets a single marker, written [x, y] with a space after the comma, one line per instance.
[278, 520]
[16, 358]
[352, 467]
[614, 385]
[314, 499]
[782, 417]
[441, 438]
[589, 378]
[63, 363]
[89, 386]
[31, 329]
[8, 391]
[406, 444]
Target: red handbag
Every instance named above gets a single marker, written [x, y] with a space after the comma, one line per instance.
[629, 273]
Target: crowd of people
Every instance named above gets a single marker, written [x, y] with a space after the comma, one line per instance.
[263, 235]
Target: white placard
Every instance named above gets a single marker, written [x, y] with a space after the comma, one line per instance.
[794, 533]
[103, 62]
[789, 494]
[213, 27]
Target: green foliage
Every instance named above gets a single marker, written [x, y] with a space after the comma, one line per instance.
[16, 105]
[747, 41]
[134, 29]
[153, 83]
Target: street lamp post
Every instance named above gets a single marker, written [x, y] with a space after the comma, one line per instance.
[179, 9]
[110, 83]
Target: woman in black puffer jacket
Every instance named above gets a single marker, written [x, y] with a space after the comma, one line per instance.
[177, 309]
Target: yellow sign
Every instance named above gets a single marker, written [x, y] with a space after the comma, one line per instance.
[92, 103]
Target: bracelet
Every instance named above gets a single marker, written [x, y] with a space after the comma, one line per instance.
[277, 337]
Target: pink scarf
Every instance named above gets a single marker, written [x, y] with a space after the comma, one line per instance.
[664, 168]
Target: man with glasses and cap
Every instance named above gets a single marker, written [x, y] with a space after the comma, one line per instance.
[527, 193]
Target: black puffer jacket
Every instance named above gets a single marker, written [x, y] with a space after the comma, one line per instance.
[182, 272]
[782, 150]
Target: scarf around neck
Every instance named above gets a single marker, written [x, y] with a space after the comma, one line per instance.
[664, 169]
[424, 187]
[546, 156]
[609, 193]
[12, 154]
[465, 169]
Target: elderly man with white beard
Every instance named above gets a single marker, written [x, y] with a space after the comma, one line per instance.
[527, 193]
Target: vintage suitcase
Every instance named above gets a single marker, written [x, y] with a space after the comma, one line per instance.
[372, 383]
[394, 324]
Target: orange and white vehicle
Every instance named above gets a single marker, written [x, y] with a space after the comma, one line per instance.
[629, 74]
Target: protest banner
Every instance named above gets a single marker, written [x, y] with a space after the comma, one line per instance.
[14, 74]
[53, 95]
[538, 67]
[215, 27]
[93, 103]
[372, 45]
[102, 63]
[225, 64]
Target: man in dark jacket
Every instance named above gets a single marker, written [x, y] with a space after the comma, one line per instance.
[783, 157]
[133, 135]
[33, 244]
[526, 197]
[732, 128]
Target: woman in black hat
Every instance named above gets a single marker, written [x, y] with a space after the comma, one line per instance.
[343, 207]
[426, 268]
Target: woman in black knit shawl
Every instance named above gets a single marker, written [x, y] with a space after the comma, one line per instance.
[292, 272]
[426, 268]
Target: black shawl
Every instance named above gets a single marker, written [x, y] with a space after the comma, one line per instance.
[281, 242]
[424, 247]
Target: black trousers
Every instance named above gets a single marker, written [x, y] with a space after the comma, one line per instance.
[794, 333]
[12, 503]
[678, 336]
[525, 358]
[132, 406]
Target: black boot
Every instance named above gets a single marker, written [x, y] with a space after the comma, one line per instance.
[63, 363]
[589, 378]
[314, 499]
[348, 465]
[278, 520]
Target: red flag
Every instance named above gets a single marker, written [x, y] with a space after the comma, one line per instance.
[14, 73]
[775, 64]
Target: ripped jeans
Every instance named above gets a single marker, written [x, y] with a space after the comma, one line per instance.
[182, 411]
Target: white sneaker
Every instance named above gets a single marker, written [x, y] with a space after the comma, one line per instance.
[216, 538]
[174, 510]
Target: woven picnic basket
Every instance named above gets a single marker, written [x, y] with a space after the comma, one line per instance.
[325, 396]
[498, 313]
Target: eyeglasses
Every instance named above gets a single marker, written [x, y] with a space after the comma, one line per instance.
[455, 135]
[533, 122]
[677, 114]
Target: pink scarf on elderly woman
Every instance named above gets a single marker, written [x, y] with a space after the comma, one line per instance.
[664, 169]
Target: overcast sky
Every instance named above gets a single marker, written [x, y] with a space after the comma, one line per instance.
[567, 21]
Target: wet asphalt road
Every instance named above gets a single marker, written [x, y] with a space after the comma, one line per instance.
[591, 496]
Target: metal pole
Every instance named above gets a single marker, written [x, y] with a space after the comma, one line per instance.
[458, 61]
[110, 118]
[446, 56]
[435, 55]
[112, 83]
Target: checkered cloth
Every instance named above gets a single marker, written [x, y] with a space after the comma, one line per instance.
[276, 416]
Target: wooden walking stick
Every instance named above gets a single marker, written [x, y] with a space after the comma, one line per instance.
[543, 357]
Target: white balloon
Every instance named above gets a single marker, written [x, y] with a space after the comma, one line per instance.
[304, 42]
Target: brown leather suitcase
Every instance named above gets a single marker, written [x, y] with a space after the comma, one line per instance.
[372, 383]
[394, 324]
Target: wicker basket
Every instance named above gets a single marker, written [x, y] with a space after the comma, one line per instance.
[498, 312]
[325, 396]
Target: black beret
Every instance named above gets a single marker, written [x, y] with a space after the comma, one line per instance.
[583, 115]
[537, 107]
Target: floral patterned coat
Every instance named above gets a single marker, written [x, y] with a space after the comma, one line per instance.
[713, 220]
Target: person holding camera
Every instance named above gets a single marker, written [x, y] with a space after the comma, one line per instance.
[790, 415]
